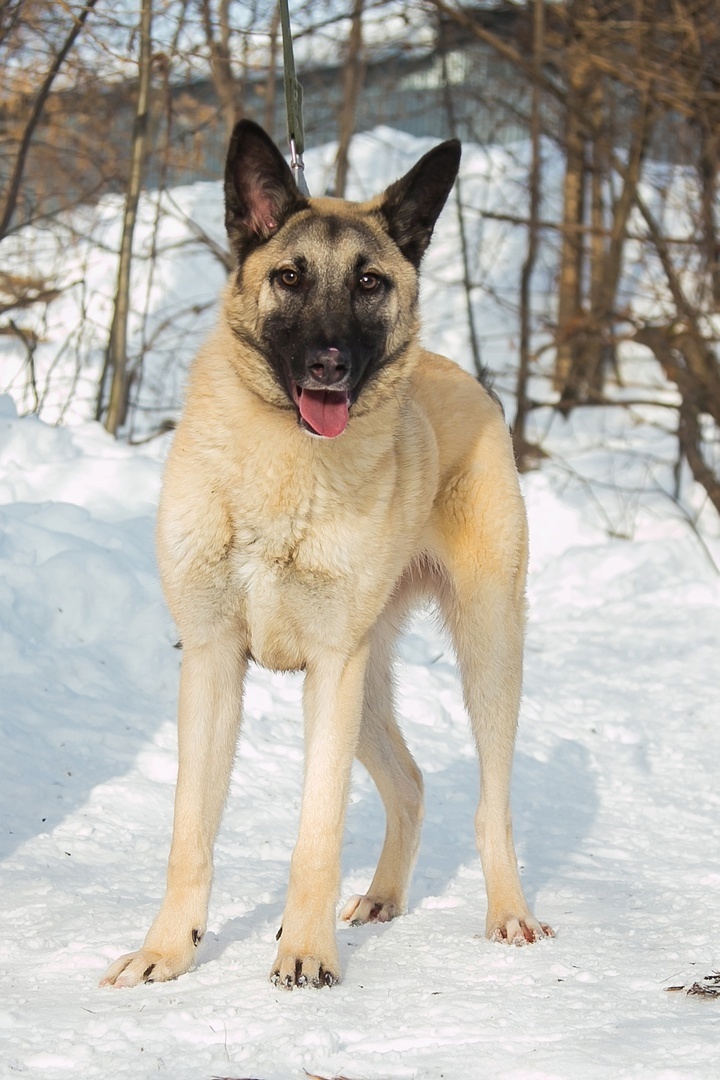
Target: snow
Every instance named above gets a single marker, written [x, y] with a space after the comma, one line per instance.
[616, 800]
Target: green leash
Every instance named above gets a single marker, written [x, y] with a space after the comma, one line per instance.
[293, 104]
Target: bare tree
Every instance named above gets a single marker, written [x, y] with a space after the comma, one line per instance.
[352, 84]
[689, 359]
[577, 74]
[271, 83]
[520, 444]
[218, 42]
[117, 358]
[11, 15]
[467, 281]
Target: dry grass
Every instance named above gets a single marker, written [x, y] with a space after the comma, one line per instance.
[709, 987]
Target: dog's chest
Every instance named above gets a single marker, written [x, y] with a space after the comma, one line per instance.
[283, 552]
[295, 567]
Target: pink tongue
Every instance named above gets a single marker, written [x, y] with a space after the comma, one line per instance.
[325, 411]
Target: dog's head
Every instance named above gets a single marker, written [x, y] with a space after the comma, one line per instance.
[326, 290]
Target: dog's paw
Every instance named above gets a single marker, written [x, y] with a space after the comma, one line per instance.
[364, 909]
[146, 966]
[290, 971]
[518, 929]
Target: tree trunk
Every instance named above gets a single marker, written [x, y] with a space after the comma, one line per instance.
[680, 356]
[708, 174]
[480, 370]
[571, 316]
[520, 444]
[272, 79]
[354, 73]
[607, 256]
[117, 361]
[598, 330]
[220, 65]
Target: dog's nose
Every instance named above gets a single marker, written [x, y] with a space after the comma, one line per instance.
[328, 366]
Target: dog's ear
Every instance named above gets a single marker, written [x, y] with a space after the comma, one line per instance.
[412, 205]
[260, 191]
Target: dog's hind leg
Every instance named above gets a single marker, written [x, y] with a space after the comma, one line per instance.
[485, 556]
[209, 716]
[383, 752]
[488, 643]
[486, 622]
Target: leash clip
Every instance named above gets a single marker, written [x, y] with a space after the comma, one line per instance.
[298, 168]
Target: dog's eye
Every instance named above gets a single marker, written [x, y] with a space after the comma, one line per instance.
[289, 277]
[369, 282]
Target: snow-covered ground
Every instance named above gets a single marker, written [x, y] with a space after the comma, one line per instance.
[616, 810]
[616, 797]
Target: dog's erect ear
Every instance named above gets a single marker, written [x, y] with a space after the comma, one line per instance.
[260, 192]
[412, 205]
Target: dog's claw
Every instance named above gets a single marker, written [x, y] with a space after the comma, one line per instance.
[364, 909]
[519, 931]
[145, 966]
[301, 973]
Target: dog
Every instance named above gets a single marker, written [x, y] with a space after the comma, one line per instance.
[326, 476]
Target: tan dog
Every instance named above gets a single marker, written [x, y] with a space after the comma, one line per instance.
[328, 474]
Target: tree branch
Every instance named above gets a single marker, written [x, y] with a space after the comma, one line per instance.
[33, 120]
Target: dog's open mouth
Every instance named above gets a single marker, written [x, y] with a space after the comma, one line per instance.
[323, 412]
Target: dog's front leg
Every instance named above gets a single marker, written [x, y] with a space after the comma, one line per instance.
[333, 700]
[208, 719]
